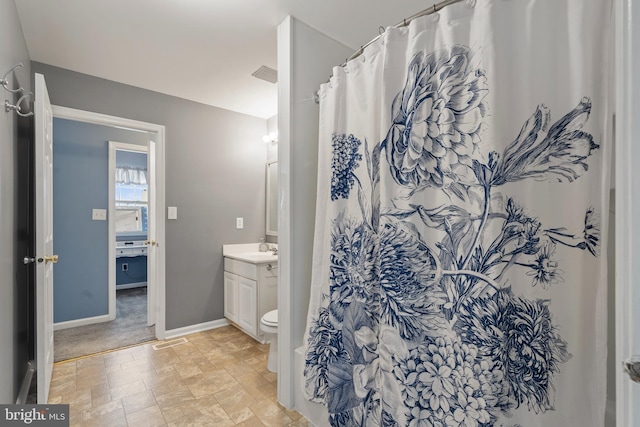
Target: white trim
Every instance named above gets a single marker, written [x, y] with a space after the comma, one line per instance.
[200, 327]
[159, 130]
[104, 119]
[627, 238]
[81, 322]
[285, 350]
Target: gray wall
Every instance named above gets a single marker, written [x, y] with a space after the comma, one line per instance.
[214, 173]
[15, 292]
[81, 184]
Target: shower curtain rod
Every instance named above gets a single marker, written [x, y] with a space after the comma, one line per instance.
[433, 9]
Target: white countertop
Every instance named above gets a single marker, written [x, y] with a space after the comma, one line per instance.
[248, 252]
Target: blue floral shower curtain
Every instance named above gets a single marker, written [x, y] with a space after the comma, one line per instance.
[458, 277]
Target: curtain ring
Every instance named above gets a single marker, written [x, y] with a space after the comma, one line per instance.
[4, 81]
[8, 107]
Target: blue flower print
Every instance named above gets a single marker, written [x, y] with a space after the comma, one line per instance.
[591, 233]
[544, 270]
[420, 323]
[437, 120]
[344, 161]
[410, 295]
[541, 151]
[353, 270]
[519, 337]
[446, 384]
[324, 347]
[588, 240]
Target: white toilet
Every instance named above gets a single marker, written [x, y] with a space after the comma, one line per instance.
[269, 324]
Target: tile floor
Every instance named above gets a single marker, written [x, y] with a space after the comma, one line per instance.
[217, 378]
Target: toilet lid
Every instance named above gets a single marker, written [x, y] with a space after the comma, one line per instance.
[271, 318]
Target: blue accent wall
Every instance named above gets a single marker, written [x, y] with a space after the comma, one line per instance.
[80, 184]
[137, 270]
[131, 159]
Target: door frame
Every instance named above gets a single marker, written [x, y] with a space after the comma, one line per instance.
[159, 132]
[627, 206]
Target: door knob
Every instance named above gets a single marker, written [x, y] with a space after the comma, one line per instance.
[49, 258]
[28, 260]
[632, 368]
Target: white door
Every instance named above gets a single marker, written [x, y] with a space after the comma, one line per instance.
[151, 236]
[44, 237]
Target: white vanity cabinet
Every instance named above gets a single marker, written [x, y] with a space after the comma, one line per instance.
[250, 291]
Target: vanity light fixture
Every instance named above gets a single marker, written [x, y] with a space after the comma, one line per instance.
[271, 138]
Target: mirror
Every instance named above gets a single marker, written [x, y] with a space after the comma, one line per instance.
[272, 198]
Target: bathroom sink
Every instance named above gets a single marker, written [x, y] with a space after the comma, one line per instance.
[248, 253]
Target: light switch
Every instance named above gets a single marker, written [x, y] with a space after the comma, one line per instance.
[172, 212]
[99, 214]
[239, 223]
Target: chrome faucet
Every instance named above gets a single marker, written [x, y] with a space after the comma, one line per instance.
[273, 249]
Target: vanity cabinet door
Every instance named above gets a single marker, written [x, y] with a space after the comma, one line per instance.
[247, 295]
[231, 296]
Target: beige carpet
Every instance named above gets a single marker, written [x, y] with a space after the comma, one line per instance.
[129, 328]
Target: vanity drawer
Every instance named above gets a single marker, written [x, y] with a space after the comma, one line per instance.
[131, 251]
[241, 268]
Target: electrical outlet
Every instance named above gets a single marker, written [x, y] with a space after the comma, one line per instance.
[239, 223]
[125, 267]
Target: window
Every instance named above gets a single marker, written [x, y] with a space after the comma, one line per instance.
[131, 197]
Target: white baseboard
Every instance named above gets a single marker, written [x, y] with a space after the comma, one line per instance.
[81, 322]
[200, 327]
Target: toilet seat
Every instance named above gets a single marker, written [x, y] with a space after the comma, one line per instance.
[270, 318]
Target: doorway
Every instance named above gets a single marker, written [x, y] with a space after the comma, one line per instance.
[150, 142]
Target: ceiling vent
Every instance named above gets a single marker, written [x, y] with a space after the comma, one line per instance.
[267, 74]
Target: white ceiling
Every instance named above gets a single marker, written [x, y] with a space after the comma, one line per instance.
[201, 50]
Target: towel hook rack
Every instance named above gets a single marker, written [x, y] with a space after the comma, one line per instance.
[5, 80]
[17, 108]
